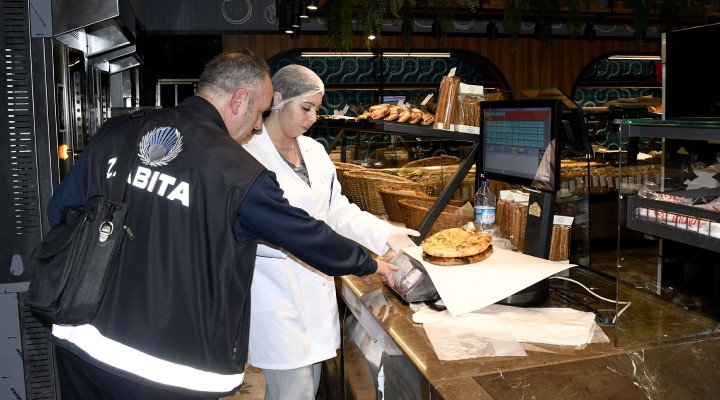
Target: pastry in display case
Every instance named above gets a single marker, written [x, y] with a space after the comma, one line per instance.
[674, 220]
[684, 195]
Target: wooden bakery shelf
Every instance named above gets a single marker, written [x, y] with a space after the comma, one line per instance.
[413, 130]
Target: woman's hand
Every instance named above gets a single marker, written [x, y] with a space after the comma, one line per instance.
[400, 238]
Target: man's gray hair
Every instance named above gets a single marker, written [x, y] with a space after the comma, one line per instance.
[231, 70]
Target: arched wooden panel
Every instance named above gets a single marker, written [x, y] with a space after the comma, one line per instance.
[531, 65]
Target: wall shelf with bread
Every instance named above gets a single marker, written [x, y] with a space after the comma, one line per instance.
[425, 169]
[385, 155]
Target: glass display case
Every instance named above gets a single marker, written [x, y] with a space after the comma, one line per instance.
[668, 270]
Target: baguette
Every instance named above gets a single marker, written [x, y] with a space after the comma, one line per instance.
[447, 102]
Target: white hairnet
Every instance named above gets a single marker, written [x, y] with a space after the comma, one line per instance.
[294, 82]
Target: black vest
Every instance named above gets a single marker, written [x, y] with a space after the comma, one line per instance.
[181, 291]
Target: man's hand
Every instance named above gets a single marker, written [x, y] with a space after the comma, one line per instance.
[384, 271]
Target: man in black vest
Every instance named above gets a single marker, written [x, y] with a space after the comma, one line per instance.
[174, 321]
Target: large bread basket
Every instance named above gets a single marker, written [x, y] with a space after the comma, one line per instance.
[392, 194]
[341, 168]
[363, 188]
[415, 210]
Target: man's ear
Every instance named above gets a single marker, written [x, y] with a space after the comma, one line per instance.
[238, 97]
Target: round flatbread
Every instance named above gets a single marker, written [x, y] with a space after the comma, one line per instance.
[456, 242]
[449, 261]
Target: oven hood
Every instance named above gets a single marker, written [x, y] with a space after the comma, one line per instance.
[108, 24]
[117, 60]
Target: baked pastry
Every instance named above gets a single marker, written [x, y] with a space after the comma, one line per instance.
[428, 119]
[392, 114]
[379, 111]
[416, 115]
[456, 246]
[405, 115]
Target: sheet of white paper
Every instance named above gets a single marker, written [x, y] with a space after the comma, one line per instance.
[466, 288]
[480, 336]
[498, 330]
[558, 326]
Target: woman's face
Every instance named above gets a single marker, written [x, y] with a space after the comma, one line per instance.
[297, 116]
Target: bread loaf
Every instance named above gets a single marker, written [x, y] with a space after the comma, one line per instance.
[447, 102]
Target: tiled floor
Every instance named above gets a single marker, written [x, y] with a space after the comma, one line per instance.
[330, 386]
[686, 277]
[253, 388]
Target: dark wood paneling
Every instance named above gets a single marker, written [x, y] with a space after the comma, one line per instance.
[531, 65]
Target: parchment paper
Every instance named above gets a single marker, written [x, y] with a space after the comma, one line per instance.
[466, 288]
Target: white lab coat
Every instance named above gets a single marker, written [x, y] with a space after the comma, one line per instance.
[294, 320]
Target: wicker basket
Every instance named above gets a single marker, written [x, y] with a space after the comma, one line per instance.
[341, 168]
[414, 211]
[363, 188]
[434, 179]
[432, 161]
[392, 194]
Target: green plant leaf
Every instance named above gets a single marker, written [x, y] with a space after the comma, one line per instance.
[512, 19]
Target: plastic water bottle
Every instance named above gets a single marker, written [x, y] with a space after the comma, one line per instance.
[485, 208]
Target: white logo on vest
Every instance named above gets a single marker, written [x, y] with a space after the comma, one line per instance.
[159, 146]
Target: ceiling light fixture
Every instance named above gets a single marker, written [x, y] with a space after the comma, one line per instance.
[635, 57]
[369, 54]
[590, 32]
[436, 29]
[283, 17]
[296, 6]
[312, 5]
[334, 54]
[412, 54]
[491, 30]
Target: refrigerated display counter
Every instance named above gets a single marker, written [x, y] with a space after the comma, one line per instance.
[386, 355]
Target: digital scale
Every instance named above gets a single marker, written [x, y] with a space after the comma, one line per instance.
[412, 282]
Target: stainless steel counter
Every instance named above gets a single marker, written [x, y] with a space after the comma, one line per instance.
[687, 368]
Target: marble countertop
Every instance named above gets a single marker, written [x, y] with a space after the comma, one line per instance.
[656, 351]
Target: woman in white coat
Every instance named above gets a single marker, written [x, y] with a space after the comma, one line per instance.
[295, 324]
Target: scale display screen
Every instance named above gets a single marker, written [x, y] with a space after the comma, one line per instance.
[516, 136]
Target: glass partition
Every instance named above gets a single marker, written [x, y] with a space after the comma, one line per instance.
[669, 233]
